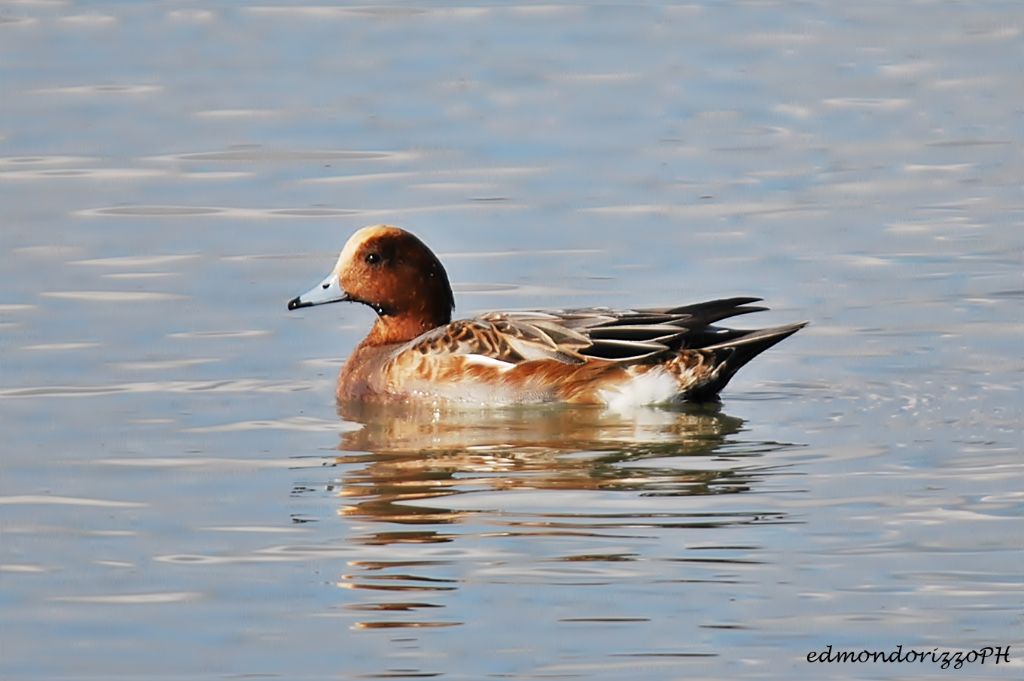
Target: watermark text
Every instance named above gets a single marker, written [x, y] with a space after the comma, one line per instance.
[945, 659]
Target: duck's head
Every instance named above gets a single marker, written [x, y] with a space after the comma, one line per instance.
[393, 272]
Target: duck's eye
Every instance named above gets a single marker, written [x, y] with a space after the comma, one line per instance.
[372, 258]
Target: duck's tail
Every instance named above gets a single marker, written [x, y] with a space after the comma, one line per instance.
[731, 354]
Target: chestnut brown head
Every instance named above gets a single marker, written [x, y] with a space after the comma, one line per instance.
[393, 272]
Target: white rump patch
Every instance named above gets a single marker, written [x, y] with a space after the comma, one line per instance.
[656, 386]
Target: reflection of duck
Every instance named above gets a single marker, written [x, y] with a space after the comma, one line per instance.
[591, 356]
[410, 453]
[411, 470]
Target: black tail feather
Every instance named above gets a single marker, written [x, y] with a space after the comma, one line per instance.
[721, 303]
[732, 354]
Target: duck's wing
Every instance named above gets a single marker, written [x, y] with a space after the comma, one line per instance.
[634, 335]
[502, 338]
[594, 333]
[576, 335]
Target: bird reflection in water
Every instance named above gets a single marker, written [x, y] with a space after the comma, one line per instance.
[402, 462]
[406, 454]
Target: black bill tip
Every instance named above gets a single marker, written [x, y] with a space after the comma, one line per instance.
[295, 303]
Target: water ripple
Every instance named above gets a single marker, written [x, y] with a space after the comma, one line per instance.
[169, 211]
[228, 333]
[20, 161]
[224, 386]
[131, 599]
[85, 173]
[136, 260]
[272, 554]
[113, 296]
[299, 423]
[215, 463]
[47, 500]
[60, 346]
[102, 89]
[256, 153]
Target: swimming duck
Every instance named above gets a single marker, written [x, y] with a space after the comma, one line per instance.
[598, 356]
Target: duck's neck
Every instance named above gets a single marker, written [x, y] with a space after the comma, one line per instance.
[425, 304]
[388, 329]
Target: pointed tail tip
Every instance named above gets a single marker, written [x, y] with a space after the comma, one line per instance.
[790, 329]
[736, 353]
[760, 339]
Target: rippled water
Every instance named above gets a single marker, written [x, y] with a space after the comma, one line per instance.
[180, 497]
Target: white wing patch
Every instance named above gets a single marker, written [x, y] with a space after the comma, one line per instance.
[484, 360]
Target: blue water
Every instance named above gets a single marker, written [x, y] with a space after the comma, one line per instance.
[180, 497]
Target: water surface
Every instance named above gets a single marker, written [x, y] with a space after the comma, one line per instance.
[181, 498]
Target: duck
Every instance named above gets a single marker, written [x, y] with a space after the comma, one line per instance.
[615, 358]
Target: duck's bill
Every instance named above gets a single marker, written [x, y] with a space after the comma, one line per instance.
[327, 291]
